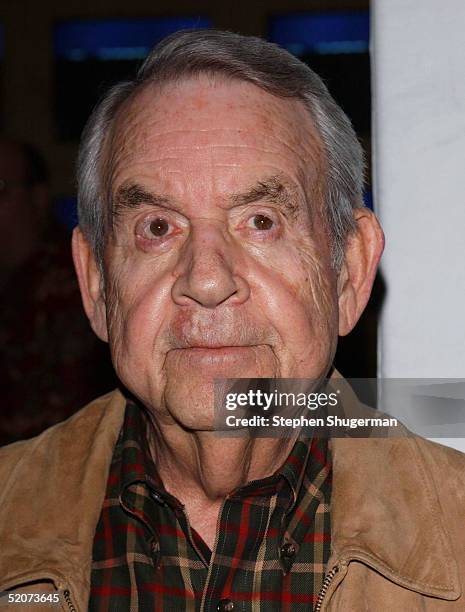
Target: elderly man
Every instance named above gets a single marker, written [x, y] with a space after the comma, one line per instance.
[222, 235]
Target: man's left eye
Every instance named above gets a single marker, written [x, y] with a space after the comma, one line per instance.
[262, 222]
[158, 228]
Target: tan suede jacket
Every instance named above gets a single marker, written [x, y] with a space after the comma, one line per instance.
[397, 511]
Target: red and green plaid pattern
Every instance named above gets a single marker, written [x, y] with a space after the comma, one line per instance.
[272, 544]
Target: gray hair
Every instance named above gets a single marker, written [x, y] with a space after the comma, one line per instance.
[194, 52]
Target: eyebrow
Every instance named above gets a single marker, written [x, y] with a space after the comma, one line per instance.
[272, 189]
[133, 196]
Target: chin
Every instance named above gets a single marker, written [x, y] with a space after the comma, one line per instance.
[191, 405]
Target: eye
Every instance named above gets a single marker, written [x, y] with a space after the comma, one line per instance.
[155, 229]
[158, 227]
[262, 222]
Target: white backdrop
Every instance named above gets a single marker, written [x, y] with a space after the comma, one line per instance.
[418, 67]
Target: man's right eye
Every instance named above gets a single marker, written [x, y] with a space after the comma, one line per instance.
[154, 229]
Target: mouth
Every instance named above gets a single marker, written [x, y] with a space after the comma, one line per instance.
[217, 349]
[216, 346]
[216, 353]
[205, 363]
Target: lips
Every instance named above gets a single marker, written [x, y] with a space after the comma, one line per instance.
[215, 346]
[214, 338]
[225, 331]
[218, 354]
[215, 351]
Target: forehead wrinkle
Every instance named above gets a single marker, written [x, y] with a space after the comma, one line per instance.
[305, 148]
[212, 145]
[133, 132]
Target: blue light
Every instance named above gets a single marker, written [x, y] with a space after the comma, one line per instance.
[116, 39]
[322, 33]
[65, 211]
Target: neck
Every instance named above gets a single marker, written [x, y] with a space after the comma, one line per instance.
[213, 466]
[202, 468]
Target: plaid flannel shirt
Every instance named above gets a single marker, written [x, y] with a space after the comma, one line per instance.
[272, 545]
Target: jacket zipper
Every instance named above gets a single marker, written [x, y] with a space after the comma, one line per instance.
[67, 596]
[325, 586]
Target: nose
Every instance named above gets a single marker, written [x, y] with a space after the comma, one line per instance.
[206, 272]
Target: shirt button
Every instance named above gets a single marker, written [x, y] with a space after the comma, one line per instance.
[158, 498]
[225, 605]
[288, 550]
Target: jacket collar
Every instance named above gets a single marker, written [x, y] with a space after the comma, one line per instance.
[385, 510]
[392, 523]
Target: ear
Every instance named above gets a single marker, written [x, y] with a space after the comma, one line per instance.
[362, 254]
[90, 283]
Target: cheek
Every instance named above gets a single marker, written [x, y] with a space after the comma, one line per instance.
[298, 297]
[299, 284]
[137, 306]
[318, 288]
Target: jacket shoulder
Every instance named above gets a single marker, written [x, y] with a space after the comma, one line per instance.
[445, 467]
[445, 463]
[60, 438]
[53, 485]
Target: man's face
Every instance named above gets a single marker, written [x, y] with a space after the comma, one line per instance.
[219, 262]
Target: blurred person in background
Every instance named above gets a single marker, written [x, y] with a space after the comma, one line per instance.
[50, 362]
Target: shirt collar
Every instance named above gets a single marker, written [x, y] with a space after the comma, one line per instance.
[294, 468]
[137, 465]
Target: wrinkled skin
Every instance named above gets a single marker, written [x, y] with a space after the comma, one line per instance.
[215, 295]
